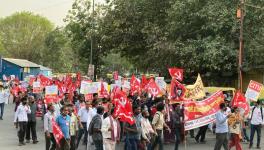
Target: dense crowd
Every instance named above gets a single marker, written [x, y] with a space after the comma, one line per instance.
[94, 123]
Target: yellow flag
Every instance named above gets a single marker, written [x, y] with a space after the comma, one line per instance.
[195, 91]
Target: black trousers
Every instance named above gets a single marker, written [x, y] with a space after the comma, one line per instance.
[253, 129]
[73, 145]
[201, 133]
[22, 131]
[81, 132]
[64, 144]
[50, 142]
[99, 145]
[178, 137]
[31, 127]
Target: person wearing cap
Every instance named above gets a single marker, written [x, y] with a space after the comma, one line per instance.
[49, 137]
[256, 122]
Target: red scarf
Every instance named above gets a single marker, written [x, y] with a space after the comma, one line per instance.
[113, 132]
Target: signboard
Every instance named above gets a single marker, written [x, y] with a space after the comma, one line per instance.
[36, 87]
[253, 90]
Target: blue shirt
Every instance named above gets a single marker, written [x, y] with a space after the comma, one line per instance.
[64, 124]
[221, 122]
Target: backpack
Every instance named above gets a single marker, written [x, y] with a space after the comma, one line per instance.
[260, 111]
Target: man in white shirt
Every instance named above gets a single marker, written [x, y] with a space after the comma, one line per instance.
[83, 115]
[21, 118]
[257, 121]
[110, 131]
[4, 94]
[49, 116]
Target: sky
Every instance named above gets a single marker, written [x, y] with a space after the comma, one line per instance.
[54, 10]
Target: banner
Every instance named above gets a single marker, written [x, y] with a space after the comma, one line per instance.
[253, 90]
[37, 87]
[200, 113]
[195, 91]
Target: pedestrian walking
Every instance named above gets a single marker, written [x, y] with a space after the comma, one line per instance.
[177, 119]
[256, 123]
[21, 119]
[158, 123]
[111, 131]
[63, 122]
[147, 131]
[95, 128]
[235, 124]
[32, 121]
[83, 115]
[221, 130]
[49, 137]
[73, 127]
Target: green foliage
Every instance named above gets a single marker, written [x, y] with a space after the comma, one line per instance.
[23, 35]
[81, 28]
[201, 36]
[58, 53]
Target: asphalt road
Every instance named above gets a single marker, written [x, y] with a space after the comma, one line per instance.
[9, 139]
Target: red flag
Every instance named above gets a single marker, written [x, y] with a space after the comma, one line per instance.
[144, 82]
[177, 91]
[176, 73]
[240, 101]
[44, 81]
[31, 80]
[134, 85]
[153, 88]
[123, 107]
[58, 135]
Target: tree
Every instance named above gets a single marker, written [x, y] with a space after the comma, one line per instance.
[58, 54]
[81, 28]
[23, 35]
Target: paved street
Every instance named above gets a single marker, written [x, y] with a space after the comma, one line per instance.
[9, 140]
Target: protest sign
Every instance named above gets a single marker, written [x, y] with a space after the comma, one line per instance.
[84, 87]
[200, 113]
[51, 94]
[161, 83]
[253, 90]
[36, 87]
[195, 91]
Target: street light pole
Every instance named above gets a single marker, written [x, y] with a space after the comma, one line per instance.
[241, 46]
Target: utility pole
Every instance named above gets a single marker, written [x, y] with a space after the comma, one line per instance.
[91, 52]
[91, 66]
[240, 15]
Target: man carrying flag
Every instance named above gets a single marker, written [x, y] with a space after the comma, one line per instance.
[63, 122]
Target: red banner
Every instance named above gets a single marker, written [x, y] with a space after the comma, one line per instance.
[200, 113]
